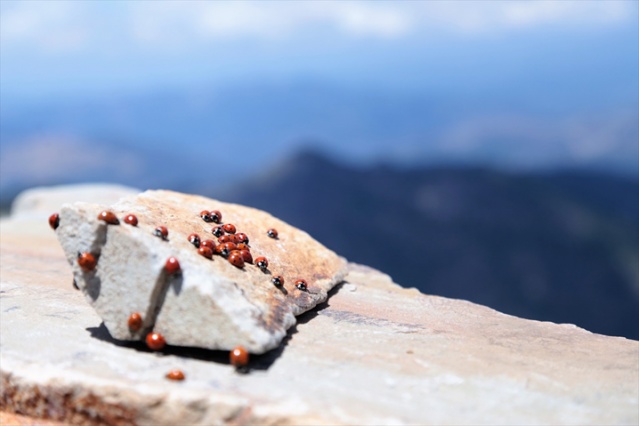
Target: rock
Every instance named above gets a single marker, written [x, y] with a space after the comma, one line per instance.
[40, 202]
[374, 353]
[210, 303]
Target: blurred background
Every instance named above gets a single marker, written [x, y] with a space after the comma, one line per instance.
[487, 151]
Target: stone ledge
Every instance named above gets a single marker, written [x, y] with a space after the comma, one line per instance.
[375, 353]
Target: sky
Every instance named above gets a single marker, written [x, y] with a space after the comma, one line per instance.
[52, 48]
[522, 83]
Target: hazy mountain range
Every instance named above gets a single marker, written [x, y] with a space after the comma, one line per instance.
[160, 138]
[560, 246]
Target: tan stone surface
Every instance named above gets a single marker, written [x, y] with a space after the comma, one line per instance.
[373, 354]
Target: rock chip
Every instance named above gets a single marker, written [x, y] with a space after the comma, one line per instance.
[208, 303]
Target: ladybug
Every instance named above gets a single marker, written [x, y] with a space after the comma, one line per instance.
[226, 249]
[206, 252]
[54, 221]
[272, 233]
[242, 246]
[226, 239]
[278, 281]
[135, 321]
[215, 216]
[301, 285]
[239, 357]
[172, 266]
[229, 228]
[206, 216]
[155, 341]
[208, 243]
[241, 237]
[87, 261]
[218, 231]
[161, 232]
[236, 259]
[131, 219]
[177, 375]
[262, 263]
[194, 239]
[246, 255]
[108, 217]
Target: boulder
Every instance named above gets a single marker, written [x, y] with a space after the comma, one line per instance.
[206, 301]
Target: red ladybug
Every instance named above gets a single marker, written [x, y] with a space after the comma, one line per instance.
[226, 249]
[246, 255]
[226, 239]
[229, 228]
[54, 221]
[208, 243]
[262, 263]
[243, 246]
[241, 237]
[172, 266]
[272, 233]
[205, 215]
[236, 259]
[87, 261]
[177, 375]
[161, 232]
[239, 357]
[301, 284]
[218, 231]
[278, 281]
[205, 251]
[155, 341]
[108, 217]
[215, 216]
[194, 239]
[135, 321]
[131, 219]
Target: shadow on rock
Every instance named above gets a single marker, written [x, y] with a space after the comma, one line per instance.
[258, 362]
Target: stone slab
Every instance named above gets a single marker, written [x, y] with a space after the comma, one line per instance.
[210, 303]
[375, 353]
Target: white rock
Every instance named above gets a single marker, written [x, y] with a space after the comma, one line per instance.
[211, 303]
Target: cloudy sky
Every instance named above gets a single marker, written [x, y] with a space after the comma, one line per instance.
[53, 47]
[521, 83]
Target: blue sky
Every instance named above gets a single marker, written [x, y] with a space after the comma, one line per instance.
[62, 47]
[515, 83]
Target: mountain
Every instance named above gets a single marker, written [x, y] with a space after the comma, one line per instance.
[561, 247]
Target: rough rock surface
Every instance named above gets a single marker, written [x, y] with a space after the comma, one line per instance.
[375, 353]
[210, 303]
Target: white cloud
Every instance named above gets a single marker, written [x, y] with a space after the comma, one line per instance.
[53, 27]
[68, 26]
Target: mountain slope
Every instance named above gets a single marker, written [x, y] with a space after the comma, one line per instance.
[560, 247]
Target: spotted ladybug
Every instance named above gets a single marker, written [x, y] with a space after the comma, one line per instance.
[272, 233]
[194, 239]
[218, 231]
[262, 263]
[301, 284]
[131, 219]
[161, 232]
[278, 281]
[229, 228]
[236, 259]
[108, 217]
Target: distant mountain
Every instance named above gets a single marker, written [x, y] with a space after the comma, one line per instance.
[561, 247]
